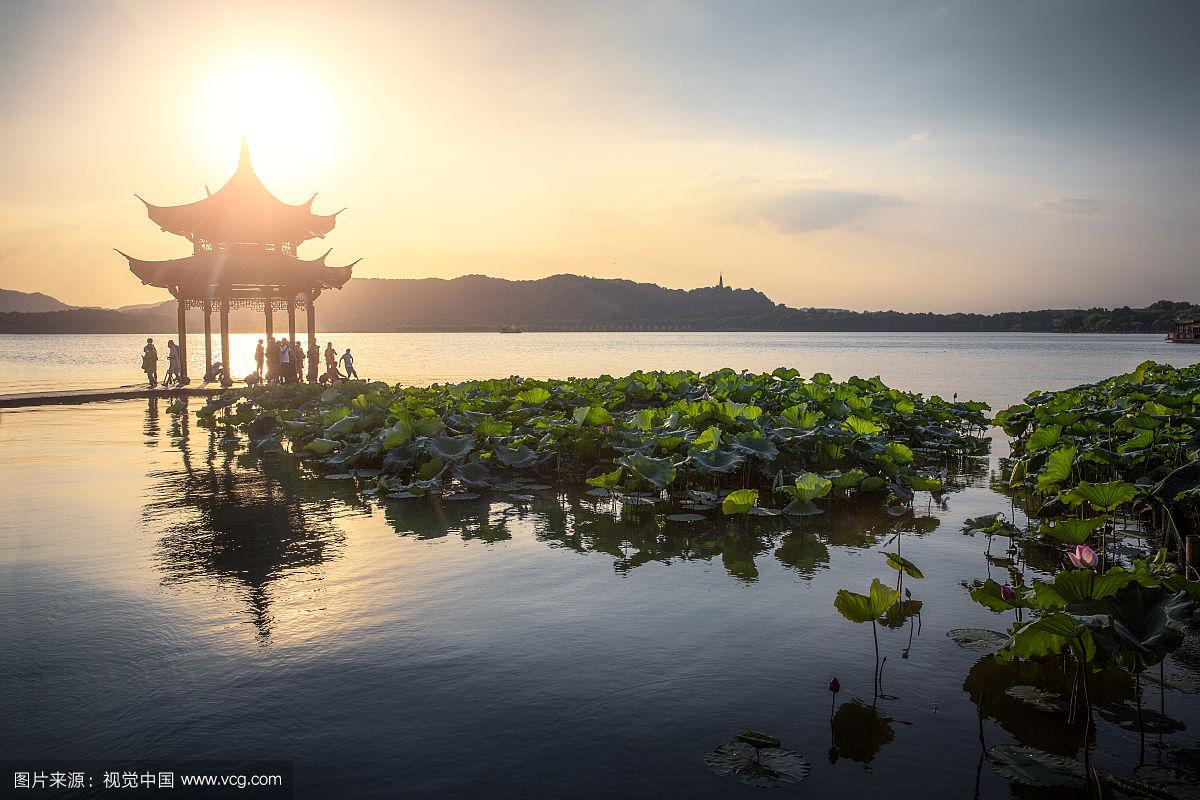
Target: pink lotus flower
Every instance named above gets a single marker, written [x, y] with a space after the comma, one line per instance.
[1008, 594]
[835, 685]
[1084, 557]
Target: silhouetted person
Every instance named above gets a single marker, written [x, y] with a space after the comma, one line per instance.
[348, 362]
[285, 362]
[174, 370]
[314, 358]
[272, 361]
[259, 353]
[150, 363]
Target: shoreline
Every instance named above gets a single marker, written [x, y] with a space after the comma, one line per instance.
[80, 396]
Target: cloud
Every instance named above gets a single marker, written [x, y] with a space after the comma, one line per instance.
[810, 210]
[919, 136]
[1074, 205]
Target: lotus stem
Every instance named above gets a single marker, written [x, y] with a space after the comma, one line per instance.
[875, 636]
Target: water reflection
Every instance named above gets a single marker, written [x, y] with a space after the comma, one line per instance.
[225, 524]
[637, 535]
[859, 732]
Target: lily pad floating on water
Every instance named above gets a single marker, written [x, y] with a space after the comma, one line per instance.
[459, 496]
[765, 767]
[978, 640]
[1033, 767]
[1037, 698]
[686, 518]
[1175, 783]
[1125, 716]
[339, 476]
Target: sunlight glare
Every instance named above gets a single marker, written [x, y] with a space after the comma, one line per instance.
[285, 111]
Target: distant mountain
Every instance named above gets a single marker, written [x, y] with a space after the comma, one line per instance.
[29, 302]
[575, 303]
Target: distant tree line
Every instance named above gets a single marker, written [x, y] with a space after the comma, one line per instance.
[577, 303]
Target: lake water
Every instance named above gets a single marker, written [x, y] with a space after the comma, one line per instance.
[166, 598]
[1000, 368]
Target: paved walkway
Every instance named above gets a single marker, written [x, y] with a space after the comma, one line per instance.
[70, 397]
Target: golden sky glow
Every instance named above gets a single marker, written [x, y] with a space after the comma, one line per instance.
[826, 157]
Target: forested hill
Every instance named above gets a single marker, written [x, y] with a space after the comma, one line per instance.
[29, 301]
[574, 303]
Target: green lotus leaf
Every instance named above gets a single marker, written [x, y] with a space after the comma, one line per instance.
[397, 434]
[708, 440]
[902, 564]
[449, 448]
[1032, 767]
[754, 444]
[848, 479]
[657, 471]
[872, 483]
[866, 608]
[321, 446]
[533, 397]
[989, 595]
[592, 415]
[1043, 438]
[861, 427]
[343, 426]
[739, 502]
[809, 486]
[979, 640]
[801, 416]
[899, 453]
[493, 427]
[1071, 531]
[607, 480]
[716, 462]
[989, 524]
[515, 457]
[1104, 496]
[1057, 468]
[474, 474]
[923, 483]
[431, 469]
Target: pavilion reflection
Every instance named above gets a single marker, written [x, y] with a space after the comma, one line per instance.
[233, 521]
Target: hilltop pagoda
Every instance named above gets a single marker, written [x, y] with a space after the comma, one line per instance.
[244, 242]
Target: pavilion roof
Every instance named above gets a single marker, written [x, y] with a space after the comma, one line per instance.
[198, 275]
[243, 211]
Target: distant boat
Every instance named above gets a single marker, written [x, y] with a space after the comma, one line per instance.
[1187, 331]
[510, 329]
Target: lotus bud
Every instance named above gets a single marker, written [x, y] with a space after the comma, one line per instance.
[835, 685]
[1008, 593]
[1084, 557]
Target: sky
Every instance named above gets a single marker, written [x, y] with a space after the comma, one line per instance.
[974, 156]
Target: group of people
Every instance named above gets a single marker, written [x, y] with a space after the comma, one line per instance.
[283, 362]
[174, 376]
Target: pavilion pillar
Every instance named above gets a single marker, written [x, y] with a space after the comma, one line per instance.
[291, 319]
[270, 318]
[225, 379]
[314, 355]
[207, 337]
[181, 318]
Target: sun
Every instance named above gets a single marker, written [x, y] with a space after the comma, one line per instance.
[283, 108]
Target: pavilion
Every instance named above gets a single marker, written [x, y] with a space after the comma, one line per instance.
[244, 242]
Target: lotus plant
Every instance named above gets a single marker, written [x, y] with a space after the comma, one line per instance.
[870, 607]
